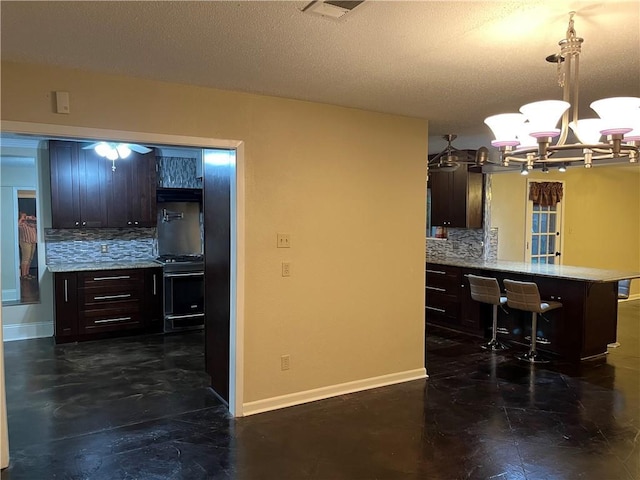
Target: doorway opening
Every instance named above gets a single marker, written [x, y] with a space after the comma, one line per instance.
[235, 212]
[543, 244]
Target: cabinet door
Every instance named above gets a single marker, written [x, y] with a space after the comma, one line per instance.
[65, 184]
[458, 198]
[92, 170]
[143, 181]
[66, 306]
[132, 192]
[153, 292]
[440, 198]
[78, 186]
[119, 194]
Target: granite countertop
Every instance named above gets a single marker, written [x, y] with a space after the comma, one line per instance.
[543, 270]
[85, 266]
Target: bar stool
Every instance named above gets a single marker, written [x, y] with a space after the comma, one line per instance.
[487, 290]
[526, 296]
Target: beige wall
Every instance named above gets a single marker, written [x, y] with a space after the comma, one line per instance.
[601, 216]
[348, 185]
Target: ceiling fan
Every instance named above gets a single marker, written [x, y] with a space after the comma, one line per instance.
[451, 157]
[115, 150]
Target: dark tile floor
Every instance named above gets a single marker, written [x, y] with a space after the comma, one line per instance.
[140, 409]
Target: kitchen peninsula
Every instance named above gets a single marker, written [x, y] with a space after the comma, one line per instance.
[581, 329]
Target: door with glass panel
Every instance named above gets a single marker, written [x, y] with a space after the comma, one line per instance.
[544, 233]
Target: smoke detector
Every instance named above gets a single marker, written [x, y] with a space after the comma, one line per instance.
[333, 9]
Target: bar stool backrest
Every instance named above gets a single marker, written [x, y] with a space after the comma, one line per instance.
[523, 295]
[484, 289]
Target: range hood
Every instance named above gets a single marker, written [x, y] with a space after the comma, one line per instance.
[164, 195]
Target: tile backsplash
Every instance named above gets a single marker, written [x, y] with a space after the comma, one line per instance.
[465, 243]
[85, 245]
[178, 172]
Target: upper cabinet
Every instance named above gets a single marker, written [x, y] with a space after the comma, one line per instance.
[86, 192]
[457, 198]
[78, 187]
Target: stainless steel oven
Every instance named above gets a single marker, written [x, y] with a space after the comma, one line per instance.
[183, 279]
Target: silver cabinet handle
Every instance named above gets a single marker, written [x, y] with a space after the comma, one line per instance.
[109, 297]
[439, 272]
[119, 277]
[135, 223]
[436, 289]
[84, 224]
[128, 223]
[194, 274]
[66, 291]
[154, 284]
[439, 310]
[77, 224]
[112, 320]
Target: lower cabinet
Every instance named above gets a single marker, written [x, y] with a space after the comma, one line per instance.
[448, 302]
[92, 304]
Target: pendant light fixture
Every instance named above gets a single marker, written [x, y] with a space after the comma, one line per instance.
[528, 137]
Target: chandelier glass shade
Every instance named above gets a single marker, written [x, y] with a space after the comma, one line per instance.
[532, 137]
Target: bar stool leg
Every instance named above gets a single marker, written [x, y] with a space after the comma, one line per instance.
[532, 355]
[494, 344]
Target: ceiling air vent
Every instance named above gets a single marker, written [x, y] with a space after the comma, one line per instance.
[334, 9]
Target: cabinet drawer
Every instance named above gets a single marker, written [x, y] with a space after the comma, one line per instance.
[97, 297]
[110, 278]
[438, 274]
[443, 279]
[110, 319]
[438, 305]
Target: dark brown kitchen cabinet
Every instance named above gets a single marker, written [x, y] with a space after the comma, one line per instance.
[97, 303]
[153, 298]
[66, 306]
[133, 179]
[78, 187]
[457, 198]
[448, 302]
[87, 192]
[581, 329]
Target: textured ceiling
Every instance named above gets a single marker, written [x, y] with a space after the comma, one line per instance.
[454, 63]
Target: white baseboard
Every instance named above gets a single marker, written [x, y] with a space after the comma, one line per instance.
[274, 403]
[25, 331]
[635, 296]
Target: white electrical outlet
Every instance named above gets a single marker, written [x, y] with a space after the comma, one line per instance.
[284, 240]
[104, 248]
[285, 362]
[286, 269]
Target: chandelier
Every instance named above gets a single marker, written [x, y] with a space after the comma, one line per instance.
[527, 137]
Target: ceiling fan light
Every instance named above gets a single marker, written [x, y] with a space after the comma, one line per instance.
[112, 154]
[102, 149]
[543, 117]
[617, 114]
[123, 150]
[505, 128]
[587, 130]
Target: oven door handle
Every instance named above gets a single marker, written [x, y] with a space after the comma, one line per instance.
[188, 315]
[193, 274]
